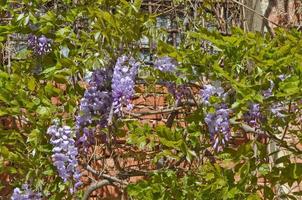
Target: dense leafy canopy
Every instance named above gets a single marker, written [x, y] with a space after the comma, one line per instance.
[45, 79]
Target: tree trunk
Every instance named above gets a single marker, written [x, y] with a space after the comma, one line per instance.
[254, 21]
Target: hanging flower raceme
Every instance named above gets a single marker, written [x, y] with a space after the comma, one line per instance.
[219, 127]
[40, 45]
[94, 107]
[218, 122]
[65, 153]
[25, 193]
[165, 64]
[123, 82]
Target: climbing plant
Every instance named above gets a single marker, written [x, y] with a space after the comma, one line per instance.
[71, 76]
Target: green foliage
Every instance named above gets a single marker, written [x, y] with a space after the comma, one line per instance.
[92, 34]
[209, 182]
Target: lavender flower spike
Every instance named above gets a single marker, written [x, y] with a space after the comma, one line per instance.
[123, 82]
[64, 152]
[94, 107]
[219, 127]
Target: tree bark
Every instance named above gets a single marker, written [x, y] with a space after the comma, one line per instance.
[253, 21]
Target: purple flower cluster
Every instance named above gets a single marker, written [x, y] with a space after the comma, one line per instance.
[178, 91]
[94, 107]
[253, 116]
[65, 153]
[219, 127]
[218, 122]
[40, 45]
[209, 91]
[165, 64]
[123, 82]
[25, 194]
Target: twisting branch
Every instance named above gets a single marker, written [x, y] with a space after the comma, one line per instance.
[154, 112]
[93, 187]
[105, 176]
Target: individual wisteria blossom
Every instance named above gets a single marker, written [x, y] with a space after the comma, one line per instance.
[269, 92]
[123, 82]
[211, 90]
[165, 64]
[253, 117]
[219, 127]
[94, 107]
[278, 109]
[25, 193]
[40, 45]
[65, 153]
[282, 77]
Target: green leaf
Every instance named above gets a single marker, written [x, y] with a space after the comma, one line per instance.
[4, 151]
[31, 84]
[34, 137]
[172, 144]
[136, 5]
[63, 32]
[264, 169]
[20, 16]
[253, 197]
[97, 36]
[3, 112]
[59, 78]
[43, 111]
[48, 172]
